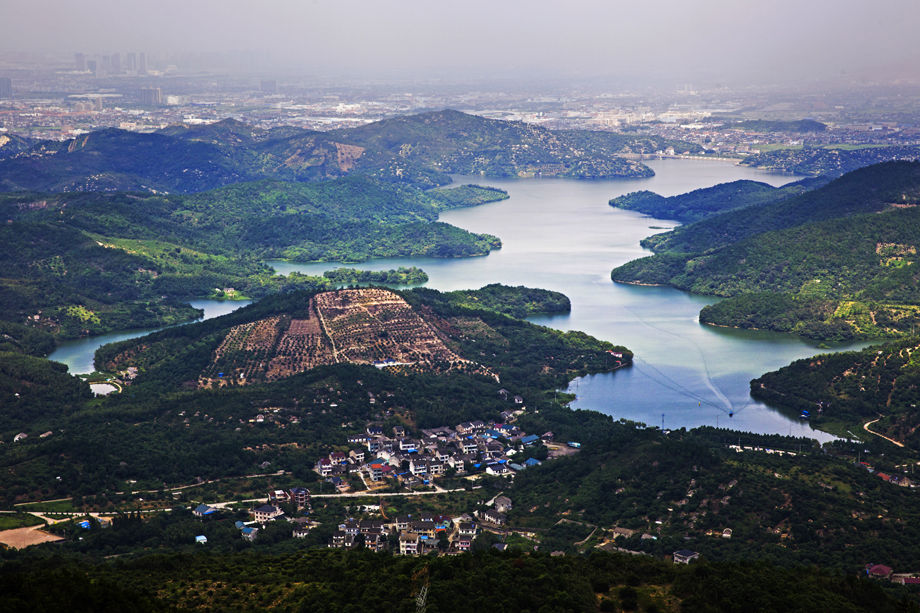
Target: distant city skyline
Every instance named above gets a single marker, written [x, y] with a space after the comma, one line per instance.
[660, 41]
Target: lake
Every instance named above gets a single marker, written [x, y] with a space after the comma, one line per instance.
[560, 234]
[78, 354]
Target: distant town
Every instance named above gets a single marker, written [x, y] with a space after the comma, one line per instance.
[58, 98]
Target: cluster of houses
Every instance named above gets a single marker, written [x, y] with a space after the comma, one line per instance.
[379, 457]
[767, 450]
[423, 533]
[299, 497]
[900, 480]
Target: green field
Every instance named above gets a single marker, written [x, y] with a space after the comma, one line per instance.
[9, 521]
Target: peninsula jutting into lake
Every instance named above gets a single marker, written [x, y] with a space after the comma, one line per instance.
[408, 307]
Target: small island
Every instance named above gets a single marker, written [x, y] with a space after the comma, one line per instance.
[403, 275]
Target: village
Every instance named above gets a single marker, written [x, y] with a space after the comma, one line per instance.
[394, 463]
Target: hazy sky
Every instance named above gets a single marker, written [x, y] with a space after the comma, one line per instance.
[734, 40]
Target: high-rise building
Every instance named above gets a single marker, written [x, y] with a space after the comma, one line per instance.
[269, 86]
[142, 64]
[80, 61]
[151, 96]
[6, 88]
[116, 63]
[131, 62]
[91, 66]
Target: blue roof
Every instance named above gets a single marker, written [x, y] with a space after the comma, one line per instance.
[530, 438]
[239, 524]
[85, 524]
[532, 462]
[204, 509]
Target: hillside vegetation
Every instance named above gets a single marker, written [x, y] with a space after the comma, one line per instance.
[833, 263]
[821, 161]
[708, 201]
[504, 583]
[421, 149]
[164, 428]
[880, 384]
[86, 263]
[419, 330]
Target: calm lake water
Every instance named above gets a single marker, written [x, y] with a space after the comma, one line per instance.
[560, 234]
[78, 354]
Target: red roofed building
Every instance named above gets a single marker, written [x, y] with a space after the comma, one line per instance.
[878, 571]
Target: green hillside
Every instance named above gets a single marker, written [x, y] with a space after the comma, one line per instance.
[142, 433]
[845, 390]
[708, 201]
[840, 258]
[86, 263]
[363, 581]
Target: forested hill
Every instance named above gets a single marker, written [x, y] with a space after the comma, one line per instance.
[880, 384]
[12, 145]
[829, 161]
[866, 190]
[832, 266]
[455, 142]
[421, 149]
[87, 263]
[416, 331]
[438, 363]
[709, 201]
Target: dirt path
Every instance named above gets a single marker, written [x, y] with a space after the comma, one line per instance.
[19, 538]
[890, 440]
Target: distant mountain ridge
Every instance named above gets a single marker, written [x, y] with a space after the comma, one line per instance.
[421, 149]
[830, 162]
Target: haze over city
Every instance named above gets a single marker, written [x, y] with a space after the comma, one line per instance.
[715, 41]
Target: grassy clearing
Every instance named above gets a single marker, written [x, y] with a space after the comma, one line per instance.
[9, 521]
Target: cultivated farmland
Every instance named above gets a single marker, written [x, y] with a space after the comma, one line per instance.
[360, 326]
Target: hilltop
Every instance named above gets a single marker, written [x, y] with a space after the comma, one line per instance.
[420, 149]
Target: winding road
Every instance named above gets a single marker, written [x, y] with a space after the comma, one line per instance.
[890, 440]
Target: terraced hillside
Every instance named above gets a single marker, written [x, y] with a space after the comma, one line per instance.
[356, 326]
